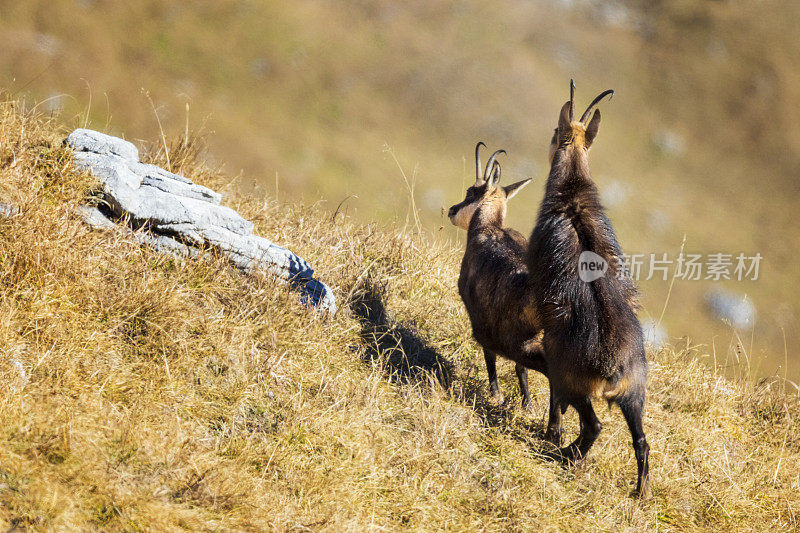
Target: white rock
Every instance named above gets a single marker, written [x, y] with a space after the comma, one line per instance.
[83, 140]
[179, 216]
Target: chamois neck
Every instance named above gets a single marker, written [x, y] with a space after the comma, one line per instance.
[491, 213]
[570, 167]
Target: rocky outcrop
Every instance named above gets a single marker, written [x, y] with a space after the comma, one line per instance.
[176, 215]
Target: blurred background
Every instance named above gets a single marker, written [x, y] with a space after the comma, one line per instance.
[325, 101]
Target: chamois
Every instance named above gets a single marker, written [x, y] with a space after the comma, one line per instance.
[494, 282]
[592, 339]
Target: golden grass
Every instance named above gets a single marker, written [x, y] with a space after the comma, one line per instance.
[302, 96]
[145, 392]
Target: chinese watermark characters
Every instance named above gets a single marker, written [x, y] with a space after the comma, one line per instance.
[689, 267]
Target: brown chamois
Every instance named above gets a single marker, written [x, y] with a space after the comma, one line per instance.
[494, 282]
[592, 340]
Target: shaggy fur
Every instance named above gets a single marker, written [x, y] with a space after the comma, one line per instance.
[593, 344]
[494, 282]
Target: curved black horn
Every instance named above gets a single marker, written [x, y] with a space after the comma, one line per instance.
[571, 99]
[490, 164]
[496, 166]
[595, 102]
[478, 161]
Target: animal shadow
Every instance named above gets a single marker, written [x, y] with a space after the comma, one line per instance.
[402, 352]
[407, 357]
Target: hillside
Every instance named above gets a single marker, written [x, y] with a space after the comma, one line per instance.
[145, 392]
[311, 102]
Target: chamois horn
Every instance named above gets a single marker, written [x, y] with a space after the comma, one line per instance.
[478, 161]
[490, 164]
[498, 170]
[595, 102]
[571, 98]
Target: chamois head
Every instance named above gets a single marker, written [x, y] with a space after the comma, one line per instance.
[485, 195]
[577, 133]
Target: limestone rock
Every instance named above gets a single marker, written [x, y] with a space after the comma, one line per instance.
[179, 216]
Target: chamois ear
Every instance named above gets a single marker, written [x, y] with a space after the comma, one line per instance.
[563, 119]
[591, 129]
[514, 188]
[551, 150]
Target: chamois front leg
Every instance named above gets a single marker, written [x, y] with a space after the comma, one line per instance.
[532, 356]
[522, 376]
[491, 368]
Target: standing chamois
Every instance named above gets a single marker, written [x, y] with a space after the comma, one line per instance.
[592, 339]
[494, 282]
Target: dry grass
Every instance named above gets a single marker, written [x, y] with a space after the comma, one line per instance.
[144, 392]
[303, 96]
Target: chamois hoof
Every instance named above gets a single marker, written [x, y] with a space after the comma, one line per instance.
[553, 438]
[568, 456]
[557, 456]
[642, 495]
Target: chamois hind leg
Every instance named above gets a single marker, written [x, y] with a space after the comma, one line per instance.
[491, 368]
[590, 429]
[632, 406]
[522, 375]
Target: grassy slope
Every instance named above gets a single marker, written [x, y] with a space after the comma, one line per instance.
[145, 392]
[309, 92]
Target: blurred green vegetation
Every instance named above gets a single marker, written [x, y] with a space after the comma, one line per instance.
[309, 101]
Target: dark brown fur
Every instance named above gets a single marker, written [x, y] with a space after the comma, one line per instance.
[495, 286]
[592, 339]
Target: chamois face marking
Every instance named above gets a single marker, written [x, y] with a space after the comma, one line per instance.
[485, 194]
[461, 214]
